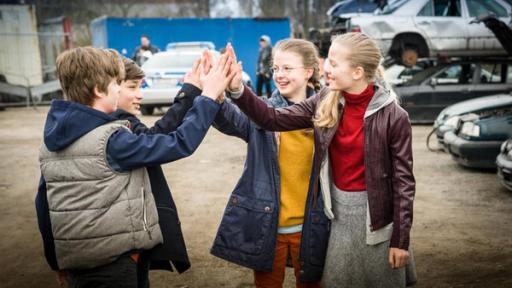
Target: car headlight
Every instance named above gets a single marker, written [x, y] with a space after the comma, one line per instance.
[506, 147]
[470, 129]
[503, 147]
[452, 121]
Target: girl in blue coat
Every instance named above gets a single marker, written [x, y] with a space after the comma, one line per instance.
[263, 227]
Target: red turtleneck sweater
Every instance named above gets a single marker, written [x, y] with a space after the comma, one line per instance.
[346, 150]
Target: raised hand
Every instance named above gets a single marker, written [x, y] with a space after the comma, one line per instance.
[208, 60]
[236, 83]
[201, 67]
[193, 76]
[217, 79]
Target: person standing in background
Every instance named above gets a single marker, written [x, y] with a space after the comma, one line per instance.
[263, 70]
[144, 51]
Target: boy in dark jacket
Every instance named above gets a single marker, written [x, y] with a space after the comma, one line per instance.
[94, 192]
[173, 249]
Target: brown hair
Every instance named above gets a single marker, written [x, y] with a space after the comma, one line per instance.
[82, 69]
[132, 70]
[365, 54]
[309, 54]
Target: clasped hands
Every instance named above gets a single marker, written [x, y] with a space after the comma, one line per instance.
[214, 77]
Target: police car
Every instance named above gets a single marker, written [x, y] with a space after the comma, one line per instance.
[165, 72]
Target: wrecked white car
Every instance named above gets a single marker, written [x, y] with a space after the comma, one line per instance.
[410, 29]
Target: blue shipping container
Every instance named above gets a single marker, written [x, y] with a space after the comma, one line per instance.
[123, 34]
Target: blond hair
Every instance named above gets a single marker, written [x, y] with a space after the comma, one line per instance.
[309, 54]
[365, 54]
[82, 69]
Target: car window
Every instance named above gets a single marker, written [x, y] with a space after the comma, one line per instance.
[390, 7]
[408, 73]
[173, 61]
[480, 7]
[446, 8]
[427, 10]
[421, 76]
[491, 73]
[509, 73]
[456, 74]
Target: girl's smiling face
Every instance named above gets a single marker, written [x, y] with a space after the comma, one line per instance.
[290, 75]
[340, 74]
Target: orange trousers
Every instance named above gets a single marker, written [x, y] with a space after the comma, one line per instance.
[286, 244]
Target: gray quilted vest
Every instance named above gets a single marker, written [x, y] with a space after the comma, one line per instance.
[96, 213]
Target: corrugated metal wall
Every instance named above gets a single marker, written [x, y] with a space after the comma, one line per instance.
[20, 59]
[123, 34]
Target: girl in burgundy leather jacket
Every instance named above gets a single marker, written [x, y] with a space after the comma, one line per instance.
[362, 163]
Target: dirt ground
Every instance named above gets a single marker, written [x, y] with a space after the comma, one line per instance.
[462, 232]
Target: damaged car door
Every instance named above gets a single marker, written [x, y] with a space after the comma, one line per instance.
[443, 23]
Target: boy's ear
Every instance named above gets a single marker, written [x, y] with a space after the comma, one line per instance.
[98, 93]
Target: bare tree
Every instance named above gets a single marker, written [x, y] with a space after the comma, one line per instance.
[319, 9]
[272, 8]
[248, 7]
[203, 8]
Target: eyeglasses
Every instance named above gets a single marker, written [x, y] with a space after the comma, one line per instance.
[285, 70]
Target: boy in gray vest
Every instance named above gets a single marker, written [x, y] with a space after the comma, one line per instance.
[94, 182]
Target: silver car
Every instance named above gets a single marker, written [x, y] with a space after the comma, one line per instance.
[408, 29]
[165, 72]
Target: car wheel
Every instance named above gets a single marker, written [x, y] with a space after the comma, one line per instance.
[409, 57]
[147, 110]
[406, 48]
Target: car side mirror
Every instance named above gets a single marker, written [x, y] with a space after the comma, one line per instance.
[432, 82]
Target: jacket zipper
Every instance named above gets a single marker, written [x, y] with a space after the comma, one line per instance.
[365, 166]
[144, 215]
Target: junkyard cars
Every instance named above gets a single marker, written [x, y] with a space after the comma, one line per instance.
[449, 118]
[477, 139]
[410, 29]
[433, 89]
[504, 164]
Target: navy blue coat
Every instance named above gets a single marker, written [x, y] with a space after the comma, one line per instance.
[248, 230]
[68, 121]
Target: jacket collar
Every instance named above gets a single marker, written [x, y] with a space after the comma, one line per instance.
[279, 101]
[383, 96]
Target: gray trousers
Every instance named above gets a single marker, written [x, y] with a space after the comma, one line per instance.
[350, 262]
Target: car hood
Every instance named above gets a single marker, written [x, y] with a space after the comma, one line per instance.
[353, 15]
[475, 105]
[341, 8]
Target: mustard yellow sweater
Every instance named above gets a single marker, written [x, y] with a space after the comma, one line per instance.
[295, 161]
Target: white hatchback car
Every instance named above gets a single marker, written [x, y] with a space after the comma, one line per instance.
[408, 29]
[165, 72]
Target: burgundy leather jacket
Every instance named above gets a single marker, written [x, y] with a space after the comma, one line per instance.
[388, 153]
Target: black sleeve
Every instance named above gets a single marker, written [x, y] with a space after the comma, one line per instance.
[174, 115]
[45, 225]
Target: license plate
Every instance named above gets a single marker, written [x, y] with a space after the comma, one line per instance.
[165, 83]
